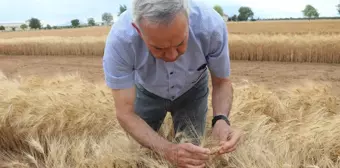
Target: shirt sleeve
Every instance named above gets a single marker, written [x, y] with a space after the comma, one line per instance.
[117, 66]
[218, 57]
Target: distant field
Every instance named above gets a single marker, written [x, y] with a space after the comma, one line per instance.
[253, 47]
[91, 31]
[268, 27]
[286, 27]
[292, 41]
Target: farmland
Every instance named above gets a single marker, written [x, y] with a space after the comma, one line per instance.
[55, 110]
[304, 41]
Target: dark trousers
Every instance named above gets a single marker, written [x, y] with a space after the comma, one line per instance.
[188, 111]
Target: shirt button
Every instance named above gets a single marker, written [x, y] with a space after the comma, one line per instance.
[172, 87]
[173, 97]
[171, 73]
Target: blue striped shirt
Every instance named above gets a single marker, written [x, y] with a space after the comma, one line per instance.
[127, 61]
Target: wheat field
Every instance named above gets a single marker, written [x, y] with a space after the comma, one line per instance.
[258, 27]
[252, 47]
[288, 41]
[65, 121]
[55, 123]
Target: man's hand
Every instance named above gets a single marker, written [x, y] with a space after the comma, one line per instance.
[227, 136]
[187, 155]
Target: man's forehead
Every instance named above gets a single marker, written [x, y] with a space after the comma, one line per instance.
[171, 41]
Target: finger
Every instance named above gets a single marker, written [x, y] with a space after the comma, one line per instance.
[232, 142]
[200, 156]
[197, 156]
[227, 151]
[198, 166]
[231, 149]
[194, 162]
[196, 149]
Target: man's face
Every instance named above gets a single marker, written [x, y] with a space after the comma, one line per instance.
[167, 42]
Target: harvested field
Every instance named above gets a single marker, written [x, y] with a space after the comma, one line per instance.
[66, 121]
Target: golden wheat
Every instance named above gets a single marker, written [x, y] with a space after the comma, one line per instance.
[287, 48]
[258, 27]
[53, 45]
[65, 121]
[327, 27]
[252, 47]
[293, 41]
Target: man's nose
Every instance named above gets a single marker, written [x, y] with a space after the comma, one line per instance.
[172, 54]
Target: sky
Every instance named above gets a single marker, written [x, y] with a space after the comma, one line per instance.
[61, 12]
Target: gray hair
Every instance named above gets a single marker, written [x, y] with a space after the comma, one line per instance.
[158, 11]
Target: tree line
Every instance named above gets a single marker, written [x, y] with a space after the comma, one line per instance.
[35, 23]
[244, 14]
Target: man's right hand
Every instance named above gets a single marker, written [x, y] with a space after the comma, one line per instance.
[184, 155]
[187, 155]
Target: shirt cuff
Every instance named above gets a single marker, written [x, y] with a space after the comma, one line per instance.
[220, 66]
[122, 82]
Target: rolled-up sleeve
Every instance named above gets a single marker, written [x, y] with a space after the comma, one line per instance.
[118, 67]
[218, 57]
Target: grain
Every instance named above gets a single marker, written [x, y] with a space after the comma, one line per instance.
[65, 121]
[252, 47]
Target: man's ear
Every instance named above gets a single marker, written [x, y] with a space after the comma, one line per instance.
[135, 26]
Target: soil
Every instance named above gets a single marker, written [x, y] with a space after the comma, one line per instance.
[271, 74]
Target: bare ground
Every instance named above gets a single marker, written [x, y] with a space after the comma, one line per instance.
[271, 74]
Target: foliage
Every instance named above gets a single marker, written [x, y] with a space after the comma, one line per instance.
[23, 26]
[107, 17]
[75, 22]
[219, 9]
[48, 27]
[34, 23]
[234, 18]
[338, 8]
[91, 22]
[245, 13]
[122, 9]
[2, 28]
[310, 12]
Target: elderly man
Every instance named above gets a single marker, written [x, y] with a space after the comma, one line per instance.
[156, 61]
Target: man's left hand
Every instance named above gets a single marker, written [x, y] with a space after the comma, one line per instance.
[227, 136]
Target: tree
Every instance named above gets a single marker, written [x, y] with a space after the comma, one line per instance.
[245, 13]
[75, 22]
[91, 22]
[234, 18]
[2, 28]
[48, 27]
[122, 9]
[219, 10]
[310, 12]
[34, 23]
[338, 8]
[23, 26]
[13, 28]
[107, 17]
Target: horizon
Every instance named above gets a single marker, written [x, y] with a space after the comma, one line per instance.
[60, 13]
